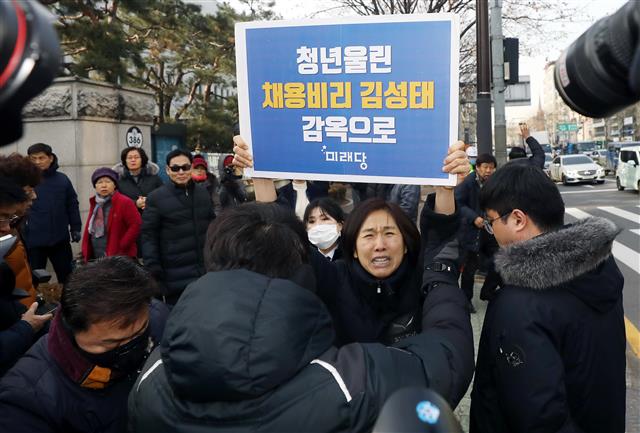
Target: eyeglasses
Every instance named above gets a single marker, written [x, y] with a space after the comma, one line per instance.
[12, 220]
[177, 168]
[488, 223]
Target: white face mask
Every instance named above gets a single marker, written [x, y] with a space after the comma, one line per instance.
[323, 235]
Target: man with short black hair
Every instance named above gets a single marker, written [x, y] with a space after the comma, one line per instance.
[53, 216]
[174, 225]
[478, 246]
[77, 377]
[250, 347]
[552, 351]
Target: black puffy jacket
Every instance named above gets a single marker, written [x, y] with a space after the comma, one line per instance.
[552, 351]
[54, 213]
[148, 181]
[246, 353]
[174, 227]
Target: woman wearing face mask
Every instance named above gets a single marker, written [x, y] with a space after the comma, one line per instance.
[113, 223]
[324, 220]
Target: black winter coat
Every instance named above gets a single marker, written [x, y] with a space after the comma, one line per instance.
[174, 227]
[148, 181]
[468, 201]
[537, 154]
[365, 309]
[552, 351]
[54, 213]
[246, 353]
[37, 396]
[405, 196]
[16, 335]
[315, 189]
[213, 187]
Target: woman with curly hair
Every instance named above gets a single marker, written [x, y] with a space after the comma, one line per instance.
[22, 172]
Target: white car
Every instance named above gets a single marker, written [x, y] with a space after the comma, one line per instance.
[576, 169]
[547, 163]
[628, 173]
[600, 156]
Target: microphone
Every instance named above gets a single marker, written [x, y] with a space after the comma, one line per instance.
[416, 410]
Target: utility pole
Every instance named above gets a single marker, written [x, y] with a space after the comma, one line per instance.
[497, 51]
[483, 126]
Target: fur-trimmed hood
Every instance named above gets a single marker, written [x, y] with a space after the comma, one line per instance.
[574, 257]
[151, 168]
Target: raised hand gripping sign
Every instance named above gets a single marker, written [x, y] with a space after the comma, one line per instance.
[367, 99]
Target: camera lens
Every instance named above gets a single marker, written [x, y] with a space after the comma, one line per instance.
[29, 60]
[593, 75]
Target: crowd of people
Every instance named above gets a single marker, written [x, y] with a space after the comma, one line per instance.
[194, 308]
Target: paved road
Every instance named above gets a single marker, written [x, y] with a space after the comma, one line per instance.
[623, 208]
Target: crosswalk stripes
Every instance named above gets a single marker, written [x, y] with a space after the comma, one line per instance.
[621, 252]
[576, 213]
[588, 191]
[624, 255]
[621, 213]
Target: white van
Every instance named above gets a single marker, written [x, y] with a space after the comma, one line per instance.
[628, 172]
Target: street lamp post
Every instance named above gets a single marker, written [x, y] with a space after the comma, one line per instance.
[483, 126]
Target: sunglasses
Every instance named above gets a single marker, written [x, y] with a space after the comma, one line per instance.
[177, 168]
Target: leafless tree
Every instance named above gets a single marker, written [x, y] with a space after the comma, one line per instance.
[540, 20]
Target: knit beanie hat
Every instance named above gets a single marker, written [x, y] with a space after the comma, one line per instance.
[104, 172]
[199, 160]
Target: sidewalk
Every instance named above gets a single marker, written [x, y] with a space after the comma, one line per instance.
[633, 373]
[462, 411]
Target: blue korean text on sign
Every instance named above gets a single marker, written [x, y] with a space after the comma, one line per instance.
[356, 100]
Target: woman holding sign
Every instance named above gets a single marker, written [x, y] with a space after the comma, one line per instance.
[381, 292]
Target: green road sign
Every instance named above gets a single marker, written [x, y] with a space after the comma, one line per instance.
[567, 127]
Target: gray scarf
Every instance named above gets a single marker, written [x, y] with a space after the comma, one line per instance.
[97, 223]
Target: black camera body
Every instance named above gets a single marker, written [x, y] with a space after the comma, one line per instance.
[29, 60]
[599, 74]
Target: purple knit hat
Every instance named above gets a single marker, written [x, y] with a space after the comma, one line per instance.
[104, 172]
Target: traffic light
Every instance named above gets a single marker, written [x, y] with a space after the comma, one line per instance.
[510, 46]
